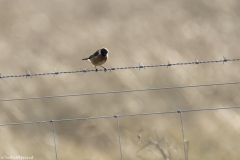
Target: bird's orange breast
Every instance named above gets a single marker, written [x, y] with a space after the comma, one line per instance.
[99, 60]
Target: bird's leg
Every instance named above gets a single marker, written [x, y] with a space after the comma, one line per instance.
[96, 69]
[105, 70]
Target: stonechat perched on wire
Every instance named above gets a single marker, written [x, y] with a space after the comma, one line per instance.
[98, 58]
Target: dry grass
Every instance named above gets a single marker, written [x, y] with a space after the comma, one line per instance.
[40, 36]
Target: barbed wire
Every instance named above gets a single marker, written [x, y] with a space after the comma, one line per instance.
[120, 91]
[140, 66]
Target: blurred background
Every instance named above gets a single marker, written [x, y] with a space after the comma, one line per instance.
[39, 36]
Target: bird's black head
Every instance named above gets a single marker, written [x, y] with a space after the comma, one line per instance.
[104, 52]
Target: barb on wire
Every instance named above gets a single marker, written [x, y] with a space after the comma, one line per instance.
[83, 70]
[113, 68]
[131, 67]
[120, 91]
[28, 74]
[56, 72]
[141, 66]
[169, 64]
[196, 62]
[1, 76]
[119, 116]
[225, 59]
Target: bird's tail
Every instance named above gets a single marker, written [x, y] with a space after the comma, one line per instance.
[85, 58]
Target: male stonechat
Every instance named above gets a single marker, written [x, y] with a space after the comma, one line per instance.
[98, 58]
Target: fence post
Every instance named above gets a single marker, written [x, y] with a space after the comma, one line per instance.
[180, 113]
[54, 137]
[119, 136]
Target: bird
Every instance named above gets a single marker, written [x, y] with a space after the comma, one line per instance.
[98, 58]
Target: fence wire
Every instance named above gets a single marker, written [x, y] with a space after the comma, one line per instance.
[121, 91]
[140, 66]
[120, 115]
[118, 124]
[117, 117]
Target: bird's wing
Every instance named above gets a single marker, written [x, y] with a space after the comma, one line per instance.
[94, 55]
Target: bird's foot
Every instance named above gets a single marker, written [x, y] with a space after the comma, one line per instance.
[105, 70]
[96, 70]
